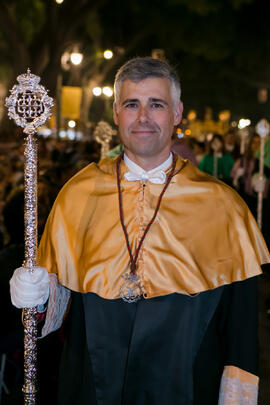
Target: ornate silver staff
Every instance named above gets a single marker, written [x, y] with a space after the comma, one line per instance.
[29, 106]
[263, 129]
[103, 134]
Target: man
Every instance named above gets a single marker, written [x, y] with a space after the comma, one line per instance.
[160, 261]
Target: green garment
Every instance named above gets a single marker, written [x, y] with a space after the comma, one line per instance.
[115, 151]
[224, 166]
[266, 152]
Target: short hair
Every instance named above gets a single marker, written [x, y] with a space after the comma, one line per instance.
[141, 68]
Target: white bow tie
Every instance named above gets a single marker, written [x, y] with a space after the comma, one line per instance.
[156, 177]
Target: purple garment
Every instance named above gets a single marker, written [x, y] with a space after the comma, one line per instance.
[184, 151]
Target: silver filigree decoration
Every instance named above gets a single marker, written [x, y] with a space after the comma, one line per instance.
[30, 202]
[131, 290]
[103, 134]
[29, 104]
[30, 355]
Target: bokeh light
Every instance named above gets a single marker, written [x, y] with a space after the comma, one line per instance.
[97, 91]
[76, 58]
[108, 54]
[71, 124]
[108, 91]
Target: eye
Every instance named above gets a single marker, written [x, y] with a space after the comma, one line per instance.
[131, 105]
[157, 106]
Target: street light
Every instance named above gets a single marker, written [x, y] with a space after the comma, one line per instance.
[69, 60]
[191, 115]
[71, 124]
[243, 123]
[107, 91]
[69, 57]
[108, 54]
[76, 58]
[59, 1]
[97, 91]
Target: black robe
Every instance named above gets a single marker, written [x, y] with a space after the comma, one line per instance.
[166, 350]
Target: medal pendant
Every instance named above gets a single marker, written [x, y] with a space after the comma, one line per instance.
[131, 291]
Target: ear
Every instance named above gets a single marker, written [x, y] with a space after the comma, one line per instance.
[178, 111]
[115, 114]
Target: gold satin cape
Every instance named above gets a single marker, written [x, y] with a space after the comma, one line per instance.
[203, 237]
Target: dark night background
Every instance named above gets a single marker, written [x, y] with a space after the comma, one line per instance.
[220, 48]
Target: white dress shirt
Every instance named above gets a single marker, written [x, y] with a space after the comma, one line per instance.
[156, 175]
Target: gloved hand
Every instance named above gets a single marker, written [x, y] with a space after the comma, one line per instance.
[28, 289]
[257, 183]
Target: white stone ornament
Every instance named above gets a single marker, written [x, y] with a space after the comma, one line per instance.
[103, 134]
[29, 104]
[263, 128]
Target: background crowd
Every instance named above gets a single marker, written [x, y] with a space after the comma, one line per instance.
[58, 161]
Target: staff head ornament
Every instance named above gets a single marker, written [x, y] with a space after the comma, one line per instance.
[29, 104]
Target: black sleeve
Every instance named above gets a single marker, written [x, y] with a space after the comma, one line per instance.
[231, 339]
[242, 325]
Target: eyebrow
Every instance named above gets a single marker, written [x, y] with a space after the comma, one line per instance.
[130, 100]
[151, 99]
[158, 100]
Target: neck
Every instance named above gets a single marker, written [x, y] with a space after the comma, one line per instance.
[148, 162]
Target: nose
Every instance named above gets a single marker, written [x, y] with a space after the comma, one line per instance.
[143, 114]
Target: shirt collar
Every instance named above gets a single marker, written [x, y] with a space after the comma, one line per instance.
[139, 170]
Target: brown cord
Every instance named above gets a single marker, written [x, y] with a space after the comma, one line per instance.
[133, 259]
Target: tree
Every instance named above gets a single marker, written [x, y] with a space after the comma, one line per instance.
[205, 39]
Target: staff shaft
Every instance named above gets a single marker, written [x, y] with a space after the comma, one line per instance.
[30, 223]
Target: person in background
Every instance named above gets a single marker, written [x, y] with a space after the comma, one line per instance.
[245, 179]
[11, 333]
[182, 146]
[199, 150]
[244, 168]
[217, 163]
[231, 145]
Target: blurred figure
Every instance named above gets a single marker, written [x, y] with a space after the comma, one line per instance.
[14, 175]
[182, 147]
[217, 163]
[231, 145]
[199, 150]
[245, 179]
[11, 335]
[244, 167]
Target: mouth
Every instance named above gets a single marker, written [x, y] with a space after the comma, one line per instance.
[144, 131]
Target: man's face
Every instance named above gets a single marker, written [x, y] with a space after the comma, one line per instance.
[146, 117]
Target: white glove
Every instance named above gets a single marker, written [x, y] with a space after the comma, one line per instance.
[257, 183]
[29, 289]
